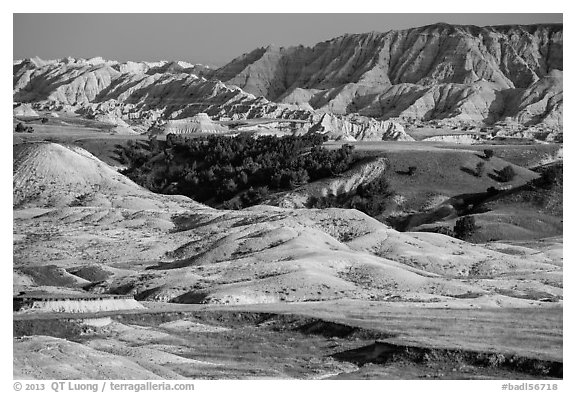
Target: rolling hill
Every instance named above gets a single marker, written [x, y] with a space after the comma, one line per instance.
[170, 248]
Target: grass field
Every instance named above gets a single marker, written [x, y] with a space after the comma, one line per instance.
[315, 339]
[445, 175]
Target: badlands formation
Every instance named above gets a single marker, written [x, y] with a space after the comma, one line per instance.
[200, 123]
[278, 290]
[72, 210]
[461, 73]
[368, 86]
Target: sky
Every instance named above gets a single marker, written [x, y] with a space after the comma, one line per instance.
[211, 39]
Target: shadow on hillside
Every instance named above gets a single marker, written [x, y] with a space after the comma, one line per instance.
[381, 352]
[456, 206]
[178, 264]
[404, 173]
[500, 176]
[483, 157]
[468, 171]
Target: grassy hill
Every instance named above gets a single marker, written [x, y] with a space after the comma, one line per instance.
[531, 211]
[445, 173]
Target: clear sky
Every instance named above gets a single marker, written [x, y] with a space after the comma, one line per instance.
[212, 39]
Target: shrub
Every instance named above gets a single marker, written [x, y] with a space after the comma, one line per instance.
[491, 191]
[465, 227]
[80, 200]
[549, 177]
[411, 170]
[480, 169]
[507, 174]
[488, 153]
[22, 128]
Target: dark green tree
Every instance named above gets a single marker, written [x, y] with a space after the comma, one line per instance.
[480, 169]
[465, 227]
[507, 174]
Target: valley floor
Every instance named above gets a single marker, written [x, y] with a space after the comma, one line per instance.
[313, 340]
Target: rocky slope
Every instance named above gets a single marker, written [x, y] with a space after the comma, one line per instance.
[162, 101]
[454, 74]
[464, 73]
[130, 90]
[354, 127]
[44, 357]
[52, 175]
[200, 123]
[169, 248]
[24, 110]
